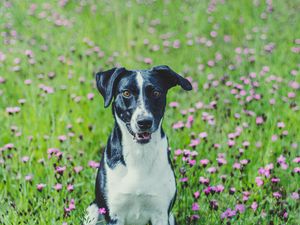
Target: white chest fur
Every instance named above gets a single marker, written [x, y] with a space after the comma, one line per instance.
[143, 189]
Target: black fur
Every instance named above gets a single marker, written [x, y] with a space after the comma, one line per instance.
[100, 187]
[106, 82]
[172, 78]
[114, 153]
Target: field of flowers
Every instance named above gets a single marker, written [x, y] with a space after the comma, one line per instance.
[235, 139]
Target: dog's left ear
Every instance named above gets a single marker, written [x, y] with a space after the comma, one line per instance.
[172, 78]
[106, 82]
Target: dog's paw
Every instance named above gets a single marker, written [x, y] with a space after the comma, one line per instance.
[92, 216]
[172, 220]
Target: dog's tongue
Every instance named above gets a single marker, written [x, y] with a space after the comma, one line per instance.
[143, 136]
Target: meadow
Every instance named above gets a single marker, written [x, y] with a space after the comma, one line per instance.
[234, 139]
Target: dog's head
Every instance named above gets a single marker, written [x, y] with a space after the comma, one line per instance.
[139, 96]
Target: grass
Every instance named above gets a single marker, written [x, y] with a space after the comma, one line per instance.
[103, 34]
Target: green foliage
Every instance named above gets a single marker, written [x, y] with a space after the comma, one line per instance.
[58, 48]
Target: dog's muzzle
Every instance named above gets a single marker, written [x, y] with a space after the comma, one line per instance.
[143, 134]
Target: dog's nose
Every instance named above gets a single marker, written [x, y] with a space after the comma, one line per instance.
[145, 123]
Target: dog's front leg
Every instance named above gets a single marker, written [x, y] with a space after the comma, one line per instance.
[172, 220]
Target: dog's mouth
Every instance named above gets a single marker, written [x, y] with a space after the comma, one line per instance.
[143, 137]
[140, 137]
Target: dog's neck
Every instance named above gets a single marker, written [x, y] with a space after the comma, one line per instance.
[129, 152]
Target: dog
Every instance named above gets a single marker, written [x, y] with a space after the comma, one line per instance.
[135, 184]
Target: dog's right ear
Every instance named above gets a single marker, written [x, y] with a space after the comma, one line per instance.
[172, 78]
[106, 82]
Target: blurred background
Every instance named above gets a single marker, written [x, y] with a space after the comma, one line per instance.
[234, 139]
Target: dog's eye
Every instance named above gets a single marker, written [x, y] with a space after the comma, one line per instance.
[156, 94]
[126, 93]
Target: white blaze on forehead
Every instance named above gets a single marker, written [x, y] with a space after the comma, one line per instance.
[141, 108]
[140, 82]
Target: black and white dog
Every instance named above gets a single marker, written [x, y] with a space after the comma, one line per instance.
[135, 184]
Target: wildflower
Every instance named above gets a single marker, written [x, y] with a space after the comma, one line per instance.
[219, 188]
[186, 152]
[196, 195]
[25, 159]
[70, 187]
[40, 187]
[244, 161]
[259, 120]
[211, 170]
[2, 80]
[208, 190]
[90, 96]
[60, 169]
[174, 104]
[217, 146]
[296, 160]
[194, 142]
[280, 125]
[12, 110]
[240, 208]
[275, 180]
[296, 170]
[62, 138]
[246, 195]
[94, 164]
[231, 143]
[184, 179]
[291, 95]
[194, 153]
[295, 196]
[229, 213]
[71, 206]
[221, 161]
[246, 144]
[148, 60]
[29, 177]
[274, 137]
[254, 206]
[281, 159]
[178, 152]
[102, 211]
[259, 181]
[284, 166]
[195, 217]
[214, 204]
[204, 180]
[22, 101]
[204, 162]
[272, 101]
[178, 125]
[199, 105]
[277, 195]
[57, 187]
[195, 207]
[232, 190]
